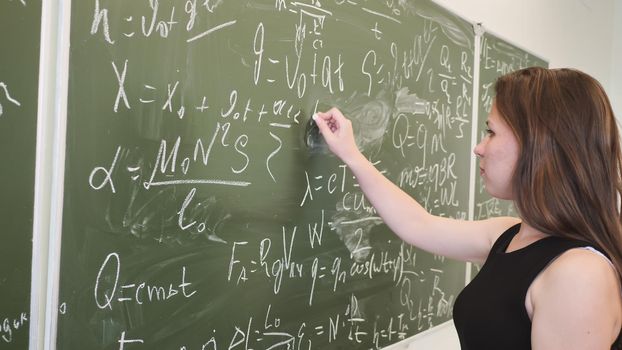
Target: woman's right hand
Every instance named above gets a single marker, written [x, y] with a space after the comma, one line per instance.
[338, 134]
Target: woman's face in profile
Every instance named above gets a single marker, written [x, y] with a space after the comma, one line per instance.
[498, 154]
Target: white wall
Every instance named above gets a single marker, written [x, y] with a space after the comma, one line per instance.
[580, 34]
[568, 33]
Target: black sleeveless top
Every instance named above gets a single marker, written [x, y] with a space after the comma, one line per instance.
[490, 312]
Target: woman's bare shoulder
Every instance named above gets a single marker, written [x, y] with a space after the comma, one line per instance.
[578, 297]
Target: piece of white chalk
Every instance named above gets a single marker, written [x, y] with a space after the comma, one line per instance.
[314, 117]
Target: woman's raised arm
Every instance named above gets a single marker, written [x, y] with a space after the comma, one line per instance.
[462, 240]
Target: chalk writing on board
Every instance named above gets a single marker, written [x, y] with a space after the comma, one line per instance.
[5, 89]
[10, 325]
[158, 22]
[198, 189]
[109, 292]
[23, 2]
[266, 329]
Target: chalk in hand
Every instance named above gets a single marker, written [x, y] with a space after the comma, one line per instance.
[312, 135]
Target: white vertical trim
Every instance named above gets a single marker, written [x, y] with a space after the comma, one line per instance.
[58, 174]
[49, 172]
[467, 273]
[478, 31]
[43, 165]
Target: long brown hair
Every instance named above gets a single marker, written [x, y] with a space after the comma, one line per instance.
[567, 181]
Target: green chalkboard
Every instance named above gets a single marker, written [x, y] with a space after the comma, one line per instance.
[19, 72]
[198, 215]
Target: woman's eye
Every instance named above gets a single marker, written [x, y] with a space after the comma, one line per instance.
[489, 132]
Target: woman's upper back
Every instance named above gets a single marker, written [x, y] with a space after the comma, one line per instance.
[575, 303]
[491, 312]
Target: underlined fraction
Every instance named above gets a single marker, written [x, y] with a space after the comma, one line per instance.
[171, 166]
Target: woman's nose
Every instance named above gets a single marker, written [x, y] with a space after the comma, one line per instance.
[479, 149]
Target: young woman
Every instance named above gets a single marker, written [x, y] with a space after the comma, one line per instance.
[551, 279]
